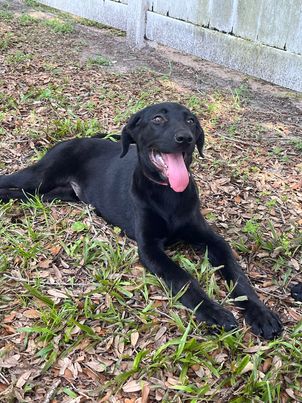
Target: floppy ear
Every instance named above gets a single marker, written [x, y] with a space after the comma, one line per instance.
[128, 135]
[200, 140]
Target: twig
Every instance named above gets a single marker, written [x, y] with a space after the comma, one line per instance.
[24, 280]
[235, 140]
[9, 336]
[52, 391]
[4, 379]
[282, 216]
[230, 392]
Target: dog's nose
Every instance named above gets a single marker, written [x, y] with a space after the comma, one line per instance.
[183, 138]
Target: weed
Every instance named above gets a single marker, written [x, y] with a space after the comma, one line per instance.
[134, 105]
[211, 217]
[297, 143]
[277, 150]
[271, 203]
[49, 93]
[6, 15]
[59, 27]
[7, 102]
[18, 57]
[195, 103]
[90, 106]
[240, 95]
[26, 20]
[6, 41]
[95, 24]
[70, 127]
[32, 3]
[98, 60]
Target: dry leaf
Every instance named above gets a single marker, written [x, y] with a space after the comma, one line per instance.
[295, 315]
[3, 386]
[267, 364]
[162, 330]
[249, 367]
[96, 366]
[171, 382]
[9, 318]
[55, 249]
[134, 338]
[10, 362]
[237, 199]
[57, 293]
[68, 374]
[23, 379]
[132, 386]
[254, 349]
[31, 314]
[9, 329]
[44, 264]
[145, 393]
[290, 393]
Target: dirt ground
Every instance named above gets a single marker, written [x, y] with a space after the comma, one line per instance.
[64, 331]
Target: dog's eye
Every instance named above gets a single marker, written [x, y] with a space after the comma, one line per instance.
[190, 121]
[158, 119]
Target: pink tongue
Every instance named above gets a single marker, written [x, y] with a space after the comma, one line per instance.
[177, 172]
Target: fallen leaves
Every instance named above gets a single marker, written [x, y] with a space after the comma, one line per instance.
[241, 179]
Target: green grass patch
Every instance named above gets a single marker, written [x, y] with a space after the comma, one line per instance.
[6, 15]
[6, 41]
[75, 128]
[60, 27]
[98, 60]
[18, 57]
[27, 20]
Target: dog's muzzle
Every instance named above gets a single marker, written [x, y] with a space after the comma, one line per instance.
[172, 167]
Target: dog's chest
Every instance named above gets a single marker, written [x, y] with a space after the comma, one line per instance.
[175, 209]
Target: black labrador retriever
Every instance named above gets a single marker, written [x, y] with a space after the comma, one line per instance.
[148, 191]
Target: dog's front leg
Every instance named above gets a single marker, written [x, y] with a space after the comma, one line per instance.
[261, 319]
[153, 257]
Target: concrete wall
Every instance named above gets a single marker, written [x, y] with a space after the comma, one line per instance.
[262, 38]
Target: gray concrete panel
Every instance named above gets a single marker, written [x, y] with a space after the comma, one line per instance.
[270, 64]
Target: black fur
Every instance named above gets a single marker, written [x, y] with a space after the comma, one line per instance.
[130, 192]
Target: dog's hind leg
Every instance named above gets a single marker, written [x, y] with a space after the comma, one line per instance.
[28, 179]
[63, 193]
[23, 184]
[17, 185]
[49, 176]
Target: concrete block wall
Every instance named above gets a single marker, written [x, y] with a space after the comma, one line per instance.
[275, 23]
[262, 38]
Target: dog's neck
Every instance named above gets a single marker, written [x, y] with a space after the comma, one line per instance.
[153, 180]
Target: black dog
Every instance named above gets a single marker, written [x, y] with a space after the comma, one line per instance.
[151, 195]
[296, 292]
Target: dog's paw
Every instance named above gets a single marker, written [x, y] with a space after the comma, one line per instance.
[296, 292]
[215, 316]
[263, 321]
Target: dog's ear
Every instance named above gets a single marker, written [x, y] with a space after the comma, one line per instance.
[128, 133]
[200, 140]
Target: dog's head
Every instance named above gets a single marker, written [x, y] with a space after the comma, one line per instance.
[165, 135]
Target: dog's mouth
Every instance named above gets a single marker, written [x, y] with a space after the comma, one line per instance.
[172, 168]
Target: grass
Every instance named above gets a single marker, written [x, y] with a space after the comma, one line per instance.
[98, 61]
[60, 27]
[26, 20]
[18, 57]
[6, 41]
[6, 15]
[75, 300]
